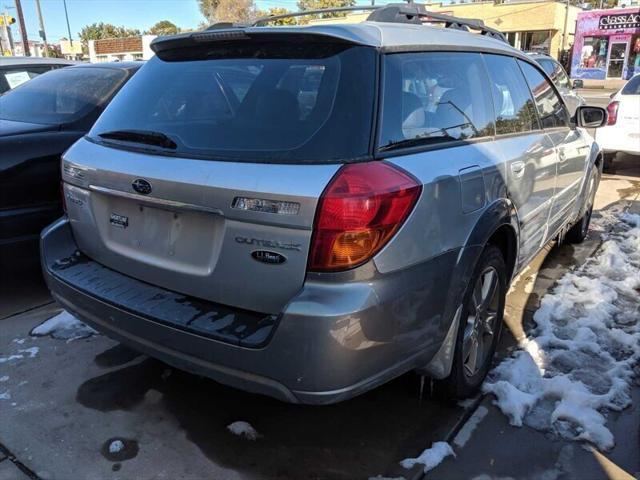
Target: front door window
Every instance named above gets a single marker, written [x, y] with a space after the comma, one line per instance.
[616, 60]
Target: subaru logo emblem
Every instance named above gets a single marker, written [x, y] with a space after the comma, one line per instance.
[141, 186]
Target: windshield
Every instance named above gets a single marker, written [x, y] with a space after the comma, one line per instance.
[270, 102]
[60, 96]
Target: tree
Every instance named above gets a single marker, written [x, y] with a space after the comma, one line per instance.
[97, 31]
[278, 11]
[208, 9]
[235, 10]
[318, 4]
[164, 27]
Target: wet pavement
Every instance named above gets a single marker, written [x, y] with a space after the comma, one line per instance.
[62, 409]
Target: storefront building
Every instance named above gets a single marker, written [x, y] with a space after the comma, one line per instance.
[607, 47]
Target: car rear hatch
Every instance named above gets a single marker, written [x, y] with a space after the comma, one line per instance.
[206, 182]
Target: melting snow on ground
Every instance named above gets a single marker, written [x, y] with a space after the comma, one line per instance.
[578, 362]
[63, 326]
[22, 353]
[243, 429]
[431, 457]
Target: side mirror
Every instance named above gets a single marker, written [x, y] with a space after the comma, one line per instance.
[577, 83]
[590, 117]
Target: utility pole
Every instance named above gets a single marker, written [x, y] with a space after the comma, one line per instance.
[566, 25]
[23, 30]
[66, 14]
[43, 34]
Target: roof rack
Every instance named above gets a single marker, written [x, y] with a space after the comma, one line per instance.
[414, 13]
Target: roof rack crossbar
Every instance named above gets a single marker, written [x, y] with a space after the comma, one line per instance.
[418, 14]
[415, 13]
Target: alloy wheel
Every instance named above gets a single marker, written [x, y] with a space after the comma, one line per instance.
[481, 324]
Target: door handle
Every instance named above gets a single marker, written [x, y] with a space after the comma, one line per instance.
[517, 168]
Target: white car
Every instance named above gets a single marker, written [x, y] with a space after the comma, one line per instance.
[622, 132]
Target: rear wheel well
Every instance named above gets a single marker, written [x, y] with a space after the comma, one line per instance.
[505, 239]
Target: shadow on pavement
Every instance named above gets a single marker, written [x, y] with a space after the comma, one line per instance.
[363, 437]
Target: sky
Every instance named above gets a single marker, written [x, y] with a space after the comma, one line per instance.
[140, 14]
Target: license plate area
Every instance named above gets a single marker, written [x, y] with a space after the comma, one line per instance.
[173, 239]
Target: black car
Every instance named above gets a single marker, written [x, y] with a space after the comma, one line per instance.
[14, 71]
[39, 120]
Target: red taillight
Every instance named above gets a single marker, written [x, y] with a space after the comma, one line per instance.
[612, 111]
[359, 211]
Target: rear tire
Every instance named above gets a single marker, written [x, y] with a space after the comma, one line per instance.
[579, 231]
[607, 165]
[480, 326]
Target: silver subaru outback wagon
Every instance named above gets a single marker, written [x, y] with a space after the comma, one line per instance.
[308, 212]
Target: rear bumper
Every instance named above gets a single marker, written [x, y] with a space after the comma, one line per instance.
[616, 139]
[333, 340]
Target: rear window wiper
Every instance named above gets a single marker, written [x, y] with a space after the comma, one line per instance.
[415, 141]
[426, 139]
[147, 137]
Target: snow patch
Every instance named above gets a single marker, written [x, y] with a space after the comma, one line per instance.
[243, 429]
[63, 326]
[4, 378]
[5, 395]
[116, 446]
[31, 352]
[431, 457]
[19, 341]
[578, 362]
[470, 425]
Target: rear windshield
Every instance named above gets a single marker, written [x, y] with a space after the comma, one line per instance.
[266, 103]
[60, 96]
[632, 87]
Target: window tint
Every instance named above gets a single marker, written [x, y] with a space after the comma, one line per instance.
[632, 87]
[515, 111]
[62, 95]
[434, 97]
[555, 72]
[550, 108]
[277, 102]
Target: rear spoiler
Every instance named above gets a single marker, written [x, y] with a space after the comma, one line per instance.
[231, 33]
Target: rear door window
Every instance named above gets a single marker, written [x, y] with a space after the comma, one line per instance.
[275, 102]
[513, 104]
[434, 97]
[551, 109]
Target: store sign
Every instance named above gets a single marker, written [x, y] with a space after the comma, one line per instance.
[623, 20]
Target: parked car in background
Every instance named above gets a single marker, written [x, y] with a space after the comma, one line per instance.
[559, 76]
[622, 132]
[15, 71]
[38, 121]
[352, 206]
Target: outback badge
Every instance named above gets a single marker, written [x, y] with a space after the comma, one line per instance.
[266, 256]
[119, 221]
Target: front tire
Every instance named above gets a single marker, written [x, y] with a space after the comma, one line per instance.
[480, 326]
